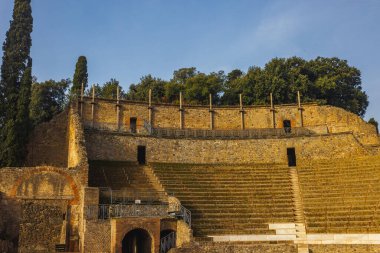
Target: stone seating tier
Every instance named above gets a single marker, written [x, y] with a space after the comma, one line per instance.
[230, 199]
[341, 196]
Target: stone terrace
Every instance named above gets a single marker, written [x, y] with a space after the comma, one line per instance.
[228, 199]
[126, 180]
[341, 196]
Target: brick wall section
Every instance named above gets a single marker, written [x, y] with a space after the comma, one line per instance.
[97, 236]
[43, 182]
[318, 118]
[48, 143]
[41, 225]
[121, 227]
[119, 147]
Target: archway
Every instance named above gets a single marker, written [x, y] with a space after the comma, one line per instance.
[137, 241]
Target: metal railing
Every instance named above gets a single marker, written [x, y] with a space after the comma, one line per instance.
[148, 127]
[130, 196]
[104, 212]
[180, 212]
[254, 133]
[230, 134]
[168, 242]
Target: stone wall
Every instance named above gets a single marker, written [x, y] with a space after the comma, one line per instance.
[121, 227]
[123, 147]
[41, 225]
[77, 156]
[10, 214]
[97, 236]
[347, 248]
[48, 143]
[320, 119]
[44, 184]
[236, 248]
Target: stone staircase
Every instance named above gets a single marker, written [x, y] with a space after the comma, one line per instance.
[341, 196]
[127, 180]
[230, 199]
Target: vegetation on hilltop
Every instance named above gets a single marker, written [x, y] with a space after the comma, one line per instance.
[15, 86]
[325, 80]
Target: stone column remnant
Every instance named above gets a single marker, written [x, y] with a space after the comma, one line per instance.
[300, 109]
[242, 111]
[150, 108]
[180, 111]
[211, 113]
[118, 108]
[272, 110]
[93, 106]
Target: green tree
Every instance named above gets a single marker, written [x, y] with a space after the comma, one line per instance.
[48, 99]
[140, 91]
[109, 90]
[198, 88]
[15, 86]
[232, 87]
[80, 76]
[375, 123]
[336, 83]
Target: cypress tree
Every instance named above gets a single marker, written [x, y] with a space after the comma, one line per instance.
[80, 76]
[15, 85]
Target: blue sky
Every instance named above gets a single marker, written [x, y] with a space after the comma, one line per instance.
[127, 39]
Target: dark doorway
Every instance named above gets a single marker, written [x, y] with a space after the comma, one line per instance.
[287, 126]
[141, 153]
[137, 241]
[133, 125]
[292, 157]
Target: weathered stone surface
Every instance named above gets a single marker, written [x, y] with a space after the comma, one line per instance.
[41, 225]
[321, 119]
[344, 248]
[119, 147]
[48, 143]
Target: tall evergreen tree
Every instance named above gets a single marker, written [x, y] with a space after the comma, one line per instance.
[15, 84]
[80, 76]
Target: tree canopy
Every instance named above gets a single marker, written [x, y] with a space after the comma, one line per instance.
[15, 85]
[325, 80]
[80, 76]
[47, 99]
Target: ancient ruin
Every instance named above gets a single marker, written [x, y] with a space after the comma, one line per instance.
[139, 177]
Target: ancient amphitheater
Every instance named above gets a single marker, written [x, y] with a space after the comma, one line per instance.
[137, 177]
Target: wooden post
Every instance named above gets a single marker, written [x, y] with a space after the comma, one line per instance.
[180, 111]
[118, 108]
[272, 110]
[150, 108]
[242, 112]
[211, 113]
[300, 109]
[93, 106]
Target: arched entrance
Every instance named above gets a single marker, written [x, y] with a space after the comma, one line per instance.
[137, 241]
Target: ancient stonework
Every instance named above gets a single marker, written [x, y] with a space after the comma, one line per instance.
[108, 176]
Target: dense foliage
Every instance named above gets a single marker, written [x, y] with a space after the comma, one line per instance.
[15, 86]
[48, 99]
[325, 80]
[80, 76]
